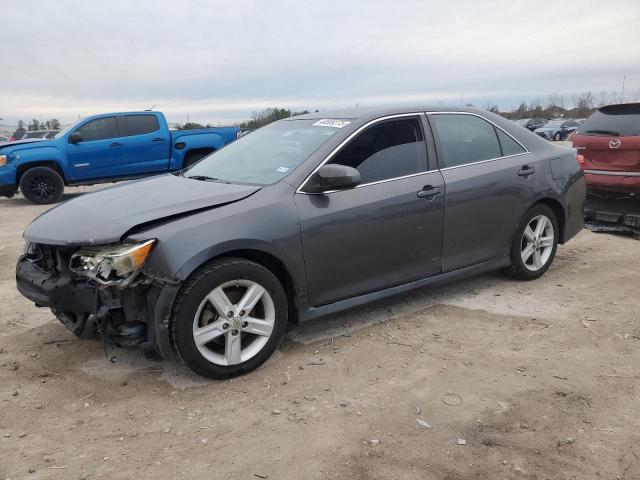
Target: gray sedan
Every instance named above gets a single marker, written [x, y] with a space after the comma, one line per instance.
[305, 217]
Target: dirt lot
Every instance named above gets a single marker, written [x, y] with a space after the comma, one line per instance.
[541, 379]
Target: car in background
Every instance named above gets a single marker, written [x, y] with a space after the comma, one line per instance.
[531, 123]
[103, 148]
[17, 135]
[44, 134]
[558, 129]
[609, 144]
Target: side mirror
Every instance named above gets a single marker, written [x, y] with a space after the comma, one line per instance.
[75, 137]
[333, 177]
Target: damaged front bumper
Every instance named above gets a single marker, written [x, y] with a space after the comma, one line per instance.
[134, 316]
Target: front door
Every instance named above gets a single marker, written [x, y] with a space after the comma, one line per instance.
[385, 232]
[100, 151]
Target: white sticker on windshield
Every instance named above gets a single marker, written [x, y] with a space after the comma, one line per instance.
[331, 122]
[282, 169]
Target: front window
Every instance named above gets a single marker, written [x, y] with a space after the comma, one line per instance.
[98, 129]
[268, 154]
[389, 149]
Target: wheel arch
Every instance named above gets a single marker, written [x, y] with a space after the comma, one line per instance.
[198, 151]
[272, 263]
[52, 164]
[559, 212]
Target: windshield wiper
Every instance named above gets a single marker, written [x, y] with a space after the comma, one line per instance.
[604, 132]
[204, 178]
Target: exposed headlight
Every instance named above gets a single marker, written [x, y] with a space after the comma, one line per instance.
[3, 160]
[111, 265]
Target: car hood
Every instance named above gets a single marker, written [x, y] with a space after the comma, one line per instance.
[545, 129]
[17, 143]
[105, 216]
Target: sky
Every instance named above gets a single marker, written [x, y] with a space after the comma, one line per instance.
[217, 61]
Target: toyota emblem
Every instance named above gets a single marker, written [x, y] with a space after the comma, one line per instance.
[615, 143]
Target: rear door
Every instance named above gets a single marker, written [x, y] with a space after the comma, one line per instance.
[146, 143]
[99, 153]
[490, 180]
[385, 232]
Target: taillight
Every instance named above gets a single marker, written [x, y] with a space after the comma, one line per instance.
[580, 159]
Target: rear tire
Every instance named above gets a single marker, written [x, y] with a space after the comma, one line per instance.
[534, 244]
[228, 318]
[42, 185]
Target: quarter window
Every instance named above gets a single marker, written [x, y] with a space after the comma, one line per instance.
[386, 150]
[141, 124]
[508, 144]
[465, 139]
[98, 129]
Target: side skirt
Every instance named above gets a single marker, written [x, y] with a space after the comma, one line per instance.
[308, 312]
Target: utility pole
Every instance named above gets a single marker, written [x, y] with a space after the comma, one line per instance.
[461, 95]
[624, 77]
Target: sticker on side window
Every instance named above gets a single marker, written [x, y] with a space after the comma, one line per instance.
[282, 169]
[331, 122]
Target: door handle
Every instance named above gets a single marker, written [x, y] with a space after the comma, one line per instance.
[429, 192]
[116, 144]
[526, 171]
[158, 139]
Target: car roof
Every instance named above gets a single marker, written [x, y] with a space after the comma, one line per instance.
[371, 113]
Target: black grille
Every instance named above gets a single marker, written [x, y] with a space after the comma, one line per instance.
[50, 258]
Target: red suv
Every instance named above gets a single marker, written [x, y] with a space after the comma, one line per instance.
[609, 141]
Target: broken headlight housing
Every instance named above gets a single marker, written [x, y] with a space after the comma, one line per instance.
[111, 265]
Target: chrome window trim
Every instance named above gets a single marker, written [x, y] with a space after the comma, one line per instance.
[483, 161]
[345, 141]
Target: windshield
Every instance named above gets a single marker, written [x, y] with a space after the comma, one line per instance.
[554, 123]
[266, 155]
[614, 120]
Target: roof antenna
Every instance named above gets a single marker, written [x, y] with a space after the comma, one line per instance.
[151, 108]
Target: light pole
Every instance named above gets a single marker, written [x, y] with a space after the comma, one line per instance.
[624, 77]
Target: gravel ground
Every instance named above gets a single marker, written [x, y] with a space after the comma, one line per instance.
[485, 378]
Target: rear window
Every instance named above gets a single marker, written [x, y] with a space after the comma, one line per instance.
[614, 120]
[141, 124]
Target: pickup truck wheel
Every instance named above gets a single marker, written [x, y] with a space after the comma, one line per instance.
[41, 185]
[228, 318]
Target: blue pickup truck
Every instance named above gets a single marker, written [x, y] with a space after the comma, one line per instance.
[103, 148]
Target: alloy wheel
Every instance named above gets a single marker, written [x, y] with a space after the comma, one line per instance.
[234, 322]
[537, 243]
[42, 187]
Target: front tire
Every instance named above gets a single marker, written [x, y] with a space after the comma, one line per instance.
[534, 244]
[42, 185]
[228, 318]
[557, 137]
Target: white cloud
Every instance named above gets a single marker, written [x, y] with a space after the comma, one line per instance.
[221, 60]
